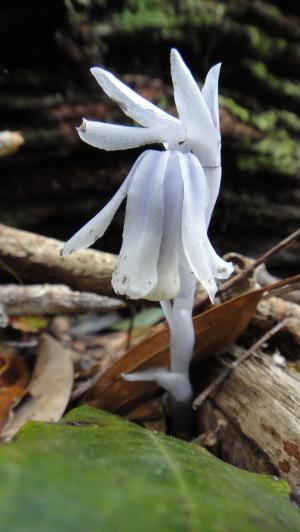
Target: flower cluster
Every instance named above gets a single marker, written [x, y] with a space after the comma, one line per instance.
[170, 194]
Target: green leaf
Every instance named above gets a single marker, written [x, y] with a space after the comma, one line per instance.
[95, 472]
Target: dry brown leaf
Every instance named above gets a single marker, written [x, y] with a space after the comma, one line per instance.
[50, 387]
[14, 377]
[10, 142]
[150, 414]
[214, 329]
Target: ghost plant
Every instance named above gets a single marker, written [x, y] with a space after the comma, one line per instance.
[170, 198]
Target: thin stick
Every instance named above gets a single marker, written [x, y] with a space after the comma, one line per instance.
[286, 242]
[12, 272]
[280, 284]
[226, 372]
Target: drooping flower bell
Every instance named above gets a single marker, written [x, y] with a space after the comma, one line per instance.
[170, 193]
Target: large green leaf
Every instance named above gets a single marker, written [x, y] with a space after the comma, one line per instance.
[94, 471]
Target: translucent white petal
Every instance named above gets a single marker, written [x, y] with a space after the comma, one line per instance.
[210, 93]
[220, 267]
[192, 109]
[112, 137]
[136, 272]
[213, 181]
[133, 105]
[168, 282]
[177, 384]
[96, 227]
[194, 231]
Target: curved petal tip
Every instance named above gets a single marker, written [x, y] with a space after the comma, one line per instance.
[174, 53]
[94, 70]
[82, 127]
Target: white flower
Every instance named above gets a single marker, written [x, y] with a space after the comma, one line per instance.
[170, 194]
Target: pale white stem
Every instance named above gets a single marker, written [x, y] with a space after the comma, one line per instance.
[181, 324]
[167, 309]
[176, 381]
[179, 317]
[176, 384]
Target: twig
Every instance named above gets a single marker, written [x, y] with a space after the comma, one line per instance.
[12, 272]
[286, 242]
[289, 292]
[53, 299]
[269, 289]
[226, 372]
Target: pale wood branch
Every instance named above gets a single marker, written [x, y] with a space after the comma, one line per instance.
[273, 310]
[53, 299]
[36, 258]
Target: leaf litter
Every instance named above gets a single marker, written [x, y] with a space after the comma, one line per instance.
[49, 389]
[83, 364]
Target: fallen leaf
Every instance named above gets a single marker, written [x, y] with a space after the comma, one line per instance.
[214, 329]
[150, 415]
[14, 377]
[49, 389]
[94, 472]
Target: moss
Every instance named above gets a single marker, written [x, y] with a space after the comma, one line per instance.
[143, 14]
[263, 46]
[234, 108]
[268, 120]
[259, 72]
[276, 153]
[153, 14]
[264, 121]
[290, 120]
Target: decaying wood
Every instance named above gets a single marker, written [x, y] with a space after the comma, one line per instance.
[255, 416]
[38, 259]
[274, 309]
[246, 354]
[264, 278]
[53, 299]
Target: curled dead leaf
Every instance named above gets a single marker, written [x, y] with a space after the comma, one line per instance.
[214, 329]
[14, 377]
[49, 389]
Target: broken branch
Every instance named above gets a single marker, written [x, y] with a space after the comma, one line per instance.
[226, 372]
[53, 299]
[37, 258]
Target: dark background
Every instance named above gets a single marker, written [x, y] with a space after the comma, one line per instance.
[55, 182]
